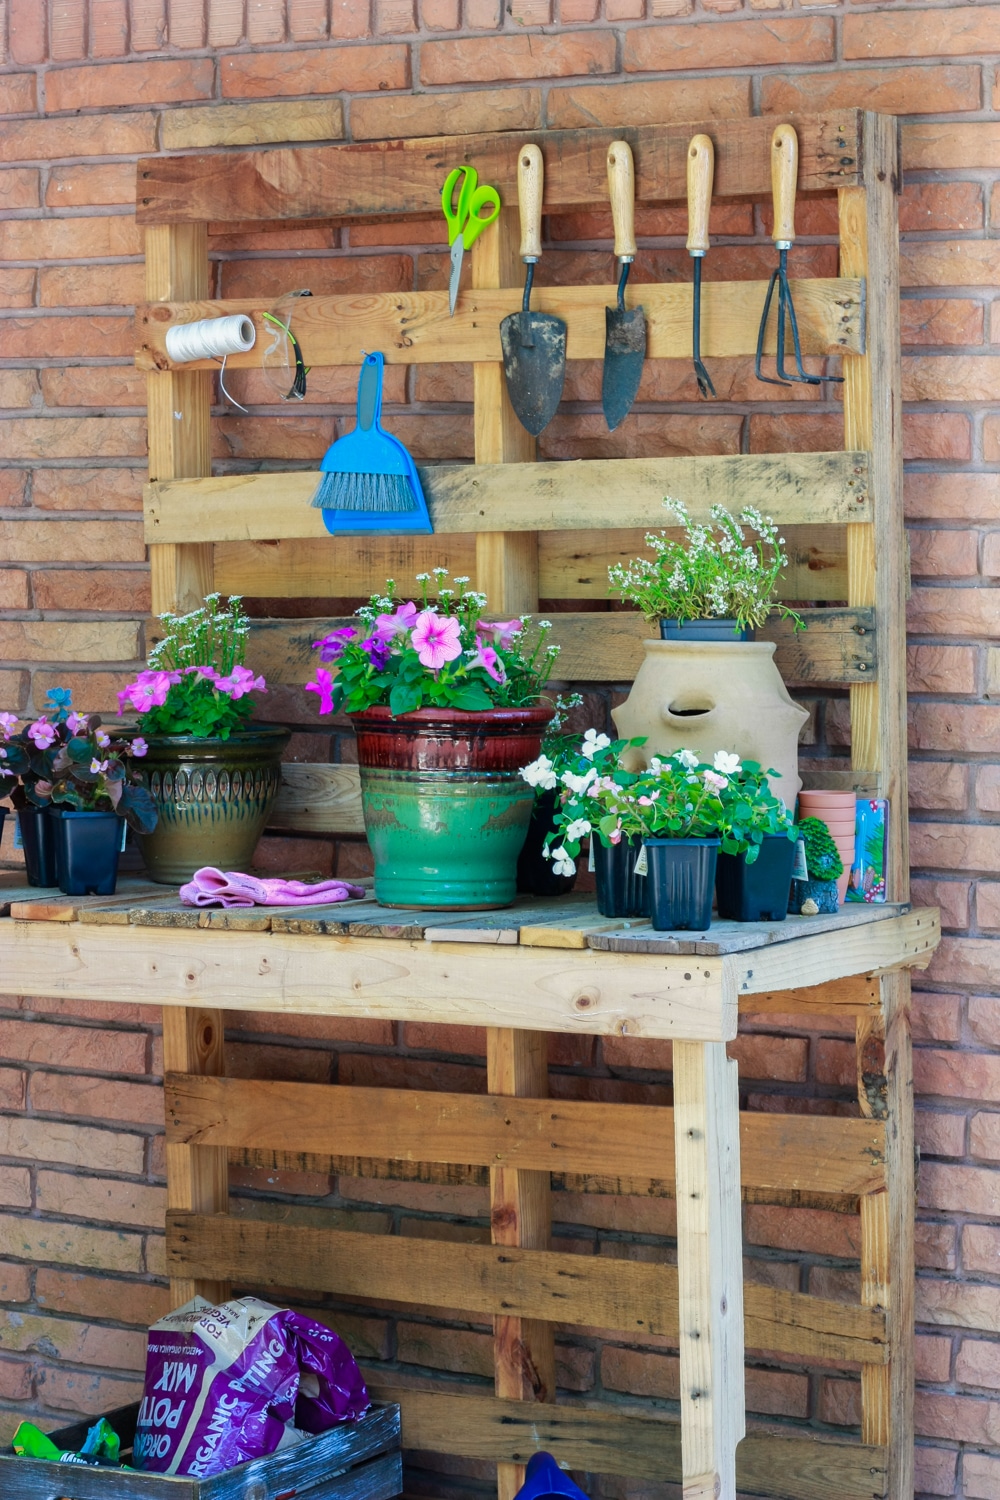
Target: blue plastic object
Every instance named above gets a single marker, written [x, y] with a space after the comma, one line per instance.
[544, 1480]
[370, 482]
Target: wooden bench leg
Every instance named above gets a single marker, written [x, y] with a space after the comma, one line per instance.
[709, 1267]
[885, 1091]
[520, 1214]
[197, 1176]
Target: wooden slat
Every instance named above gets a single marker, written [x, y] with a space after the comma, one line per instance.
[837, 647]
[794, 488]
[318, 799]
[413, 328]
[537, 989]
[906, 941]
[627, 1440]
[778, 1151]
[631, 1296]
[197, 1176]
[401, 179]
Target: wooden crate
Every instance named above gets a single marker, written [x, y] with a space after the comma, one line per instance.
[533, 531]
[359, 1461]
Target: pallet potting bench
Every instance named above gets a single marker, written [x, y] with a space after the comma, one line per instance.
[546, 529]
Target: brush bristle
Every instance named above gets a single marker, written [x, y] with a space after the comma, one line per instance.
[380, 493]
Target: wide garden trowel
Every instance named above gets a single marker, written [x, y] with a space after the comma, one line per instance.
[534, 343]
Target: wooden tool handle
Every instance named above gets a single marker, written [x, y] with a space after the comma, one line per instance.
[530, 185]
[621, 186]
[700, 172]
[784, 174]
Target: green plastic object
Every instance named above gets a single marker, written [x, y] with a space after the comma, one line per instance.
[102, 1446]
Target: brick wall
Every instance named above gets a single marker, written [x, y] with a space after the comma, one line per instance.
[85, 89]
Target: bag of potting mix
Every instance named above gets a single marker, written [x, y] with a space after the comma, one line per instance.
[230, 1383]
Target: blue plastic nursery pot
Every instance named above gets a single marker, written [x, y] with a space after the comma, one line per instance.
[681, 878]
[757, 892]
[703, 630]
[620, 891]
[38, 838]
[87, 846]
[544, 1480]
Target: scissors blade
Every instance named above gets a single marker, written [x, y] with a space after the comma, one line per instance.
[457, 254]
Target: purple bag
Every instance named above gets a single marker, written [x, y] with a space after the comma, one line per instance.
[230, 1383]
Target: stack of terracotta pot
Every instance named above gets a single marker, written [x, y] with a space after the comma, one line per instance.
[838, 810]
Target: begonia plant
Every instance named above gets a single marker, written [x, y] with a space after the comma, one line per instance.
[196, 682]
[439, 653]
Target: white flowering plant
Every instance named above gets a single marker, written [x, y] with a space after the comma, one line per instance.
[592, 760]
[728, 570]
[752, 812]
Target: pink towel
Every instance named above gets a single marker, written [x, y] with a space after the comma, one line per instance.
[210, 887]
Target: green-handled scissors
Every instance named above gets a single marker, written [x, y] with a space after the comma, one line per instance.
[466, 221]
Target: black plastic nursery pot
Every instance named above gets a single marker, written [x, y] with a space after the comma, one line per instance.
[87, 847]
[757, 892]
[620, 891]
[38, 837]
[536, 875]
[681, 878]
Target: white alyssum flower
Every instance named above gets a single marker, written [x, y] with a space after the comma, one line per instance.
[579, 784]
[541, 773]
[578, 829]
[727, 763]
[562, 864]
[592, 742]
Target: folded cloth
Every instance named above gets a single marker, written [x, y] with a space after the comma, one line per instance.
[211, 887]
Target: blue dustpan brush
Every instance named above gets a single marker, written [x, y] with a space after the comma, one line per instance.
[369, 482]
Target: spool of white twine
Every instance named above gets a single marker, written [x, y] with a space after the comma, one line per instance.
[210, 338]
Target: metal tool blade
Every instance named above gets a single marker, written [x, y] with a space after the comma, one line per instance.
[457, 256]
[624, 355]
[534, 366]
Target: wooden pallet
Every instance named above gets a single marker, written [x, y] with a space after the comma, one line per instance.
[547, 530]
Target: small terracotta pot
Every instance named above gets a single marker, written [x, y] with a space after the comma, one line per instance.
[832, 801]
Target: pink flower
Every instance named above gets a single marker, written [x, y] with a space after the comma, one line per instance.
[489, 661]
[98, 766]
[616, 833]
[42, 734]
[436, 640]
[7, 723]
[648, 801]
[240, 682]
[713, 781]
[208, 672]
[75, 722]
[501, 631]
[404, 618]
[149, 690]
[102, 738]
[324, 687]
[139, 746]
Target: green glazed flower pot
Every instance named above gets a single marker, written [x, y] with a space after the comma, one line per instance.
[445, 808]
[213, 798]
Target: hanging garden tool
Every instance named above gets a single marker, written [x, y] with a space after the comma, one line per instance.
[369, 480]
[534, 343]
[784, 174]
[625, 328]
[466, 220]
[700, 173]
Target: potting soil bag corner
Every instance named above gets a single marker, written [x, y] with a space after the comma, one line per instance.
[235, 1382]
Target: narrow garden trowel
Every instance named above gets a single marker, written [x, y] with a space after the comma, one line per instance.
[625, 328]
[534, 343]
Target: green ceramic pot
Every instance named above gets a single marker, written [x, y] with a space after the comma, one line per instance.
[445, 808]
[213, 798]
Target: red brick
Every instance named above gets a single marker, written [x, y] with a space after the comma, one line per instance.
[96, 1297]
[936, 1018]
[80, 1391]
[940, 1133]
[370, 1033]
[13, 1088]
[941, 669]
[940, 320]
[984, 1019]
[936, 435]
[444, 114]
[18, 188]
[952, 497]
[771, 1391]
[15, 1187]
[17, 285]
[149, 25]
[70, 239]
[441, 15]
[265, 21]
[940, 206]
[965, 611]
[264, 75]
[623, 10]
[115, 84]
[13, 487]
[483, 15]
[807, 432]
[87, 489]
[949, 263]
[958, 1418]
[97, 1098]
[775, 1057]
[981, 1472]
[951, 554]
[86, 186]
[971, 961]
[299, 1064]
[988, 788]
[981, 1252]
[840, 1402]
[366, 1070]
[803, 1229]
[74, 337]
[100, 385]
[13, 589]
[835, 1062]
[935, 1246]
[76, 1145]
[16, 1382]
[958, 1189]
[13, 691]
[17, 93]
[897, 91]
[91, 286]
[951, 377]
[649, 102]
[394, 16]
[87, 135]
[951, 895]
[74, 1195]
[73, 1046]
[487, 60]
[984, 1136]
[959, 727]
[225, 22]
[951, 33]
[957, 1075]
[27, 31]
[75, 541]
[108, 28]
[722, 44]
[307, 20]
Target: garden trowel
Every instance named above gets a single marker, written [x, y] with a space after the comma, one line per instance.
[625, 328]
[534, 343]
